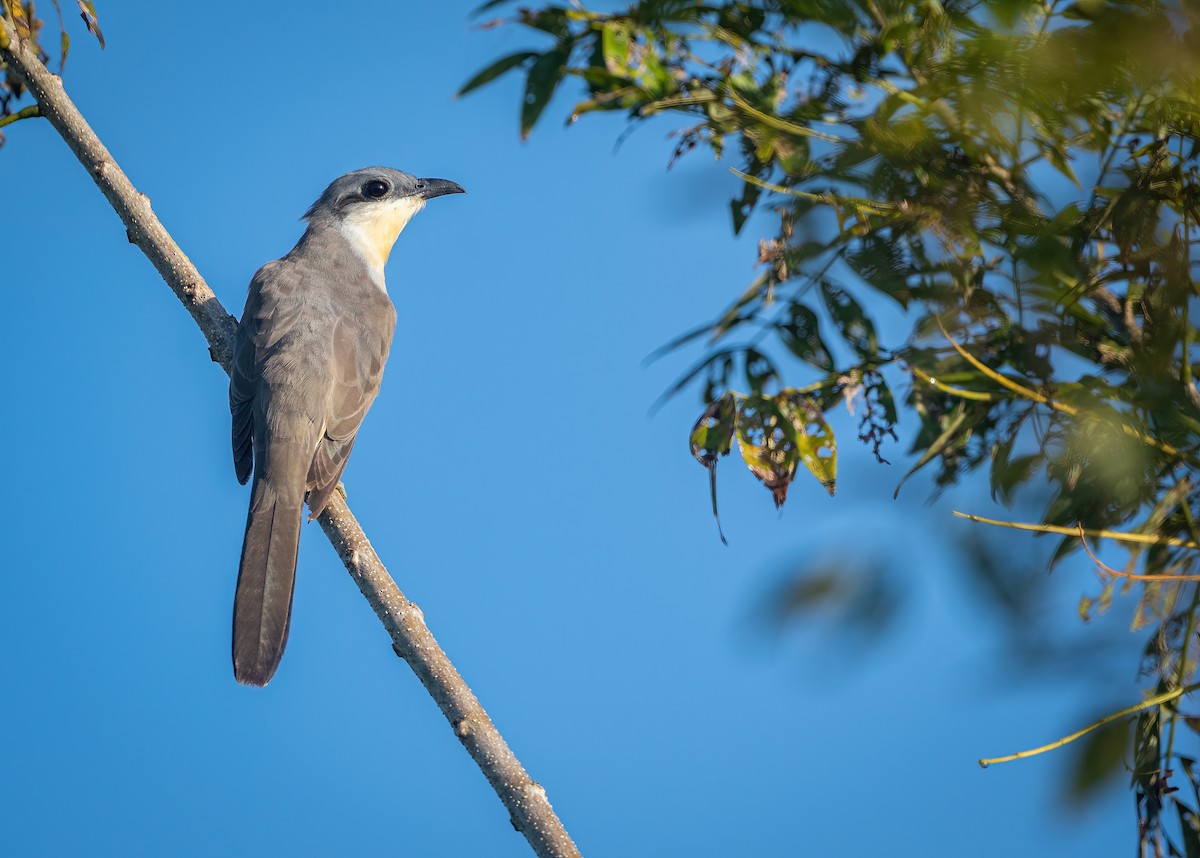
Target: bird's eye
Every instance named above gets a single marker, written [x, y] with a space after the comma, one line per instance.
[375, 189]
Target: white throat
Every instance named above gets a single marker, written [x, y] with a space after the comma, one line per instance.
[372, 229]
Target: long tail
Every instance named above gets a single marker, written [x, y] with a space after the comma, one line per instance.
[262, 607]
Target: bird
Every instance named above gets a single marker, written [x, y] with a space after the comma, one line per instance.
[308, 358]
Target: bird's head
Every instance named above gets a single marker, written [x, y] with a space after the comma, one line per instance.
[371, 206]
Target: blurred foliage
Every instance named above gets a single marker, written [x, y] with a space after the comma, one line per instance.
[849, 601]
[1015, 180]
[23, 18]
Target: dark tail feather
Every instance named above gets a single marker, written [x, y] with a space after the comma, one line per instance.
[262, 607]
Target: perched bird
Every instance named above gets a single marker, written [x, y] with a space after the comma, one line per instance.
[307, 361]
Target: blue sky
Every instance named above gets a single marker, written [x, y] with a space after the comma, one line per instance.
[557, 538]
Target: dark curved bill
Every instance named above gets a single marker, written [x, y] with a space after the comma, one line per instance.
[439, 188]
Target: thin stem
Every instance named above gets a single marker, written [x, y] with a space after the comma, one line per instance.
[1130, 575]
[974, 395]
[1042, 399]
[1140, 538]
[777, 123]
[1156, 700]
[24, 113]
[826, 198]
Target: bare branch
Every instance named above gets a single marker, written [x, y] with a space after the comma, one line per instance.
[1120, 536]
[1108, 570]
[526, 801]
[1156, 700]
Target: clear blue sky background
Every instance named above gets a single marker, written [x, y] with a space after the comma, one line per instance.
[557, 538]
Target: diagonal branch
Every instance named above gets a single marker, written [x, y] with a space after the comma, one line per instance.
[525, 799]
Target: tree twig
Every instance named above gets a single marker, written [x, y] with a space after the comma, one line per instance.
[1156, 700]
[1133, 576]
[1120, 536]
[525, 799]
[1053, 404]
[24, 113]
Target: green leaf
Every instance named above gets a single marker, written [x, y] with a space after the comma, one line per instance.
[741, 207]
[954, 434]
[655, 77]
[814, 437]
[1086, 10]
[880, 262]
[801, 335]
[1059, 160]
[543, 77]
[494, 71]
[552, 20]
[614, 41]
[711, 438]
[857, 330]
[760, 371]
[1147, 741]
[1008, 472]
[1101, 758]
[767, 440]
[1189, 825]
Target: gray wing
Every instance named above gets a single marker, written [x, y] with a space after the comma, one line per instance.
[359, 351]
[270, 314]
[275, 392]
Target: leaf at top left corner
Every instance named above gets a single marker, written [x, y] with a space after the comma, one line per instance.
[21, 19]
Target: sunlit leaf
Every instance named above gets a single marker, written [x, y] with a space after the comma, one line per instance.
[814, 438]
[767, 440]
[21, 21]
[614, 42]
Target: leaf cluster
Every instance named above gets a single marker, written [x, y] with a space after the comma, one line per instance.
[1019, 182]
